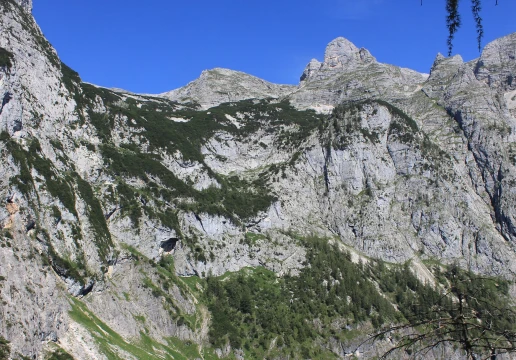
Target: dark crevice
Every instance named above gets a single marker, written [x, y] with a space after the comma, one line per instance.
[17, 125]
[109, 214]
[199, 220]
[7, 97]
[169, 245]
[30, 225]
[327, 155]
[87, 288]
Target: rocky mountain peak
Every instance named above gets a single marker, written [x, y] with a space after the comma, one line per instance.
[341, 52]
[219, 71]
[448, 63]
[219, 85]
[341, 55]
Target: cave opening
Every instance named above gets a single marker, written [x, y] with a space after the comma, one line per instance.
[169, 245]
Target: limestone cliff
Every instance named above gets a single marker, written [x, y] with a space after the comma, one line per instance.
[117, 205]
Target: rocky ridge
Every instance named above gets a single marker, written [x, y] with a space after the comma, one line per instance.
[217, 86]
[229, 172]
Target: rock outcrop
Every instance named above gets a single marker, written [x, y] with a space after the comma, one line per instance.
[349, 73]
[497, 64]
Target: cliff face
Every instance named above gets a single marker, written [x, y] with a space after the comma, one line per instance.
[99, 186]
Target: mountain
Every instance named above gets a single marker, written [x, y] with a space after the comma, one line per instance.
[218, 86]
[238, 218]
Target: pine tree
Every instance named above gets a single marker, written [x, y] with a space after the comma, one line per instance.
[453, 21]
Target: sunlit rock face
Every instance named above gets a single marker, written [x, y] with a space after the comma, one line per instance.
[497, 64]
[219, 85]
[110, 196]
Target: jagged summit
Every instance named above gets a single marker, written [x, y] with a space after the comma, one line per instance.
[341, 52]
[340, 55]
[342, 58]
[313, 66]
[348, 72]
[451, 62]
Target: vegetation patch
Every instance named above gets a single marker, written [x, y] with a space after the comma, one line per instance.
[255, 310]
[236, 198]
[6, 58]
[346, 122]
[96, 218]
[60, 187]
[266, 316]
[154, 116]
[66, 267]
[403, 127]
[108, 340]
[252, 238]
[473, 313]
[5, 349]
[59, 354]
[110, 343]
[70, 78]
[56, 185]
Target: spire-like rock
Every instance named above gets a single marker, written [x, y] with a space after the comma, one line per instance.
[310, 70]
[341, 53]
[450, 63]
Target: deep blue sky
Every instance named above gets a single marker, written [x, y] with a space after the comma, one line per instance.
[154, 46]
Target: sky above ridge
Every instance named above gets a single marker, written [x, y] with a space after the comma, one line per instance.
[157, 45]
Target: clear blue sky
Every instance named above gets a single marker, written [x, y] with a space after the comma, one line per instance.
[154, 46]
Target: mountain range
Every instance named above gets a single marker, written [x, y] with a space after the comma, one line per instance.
[184, 225]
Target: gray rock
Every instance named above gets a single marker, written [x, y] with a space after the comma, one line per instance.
[219, 85]
[349, 73]
[26, 5]
[432, 178]
[342, 53]
[310, 70]
[497, 64]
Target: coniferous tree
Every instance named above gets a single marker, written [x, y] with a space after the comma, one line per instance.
[453, 21]
[475, 313]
